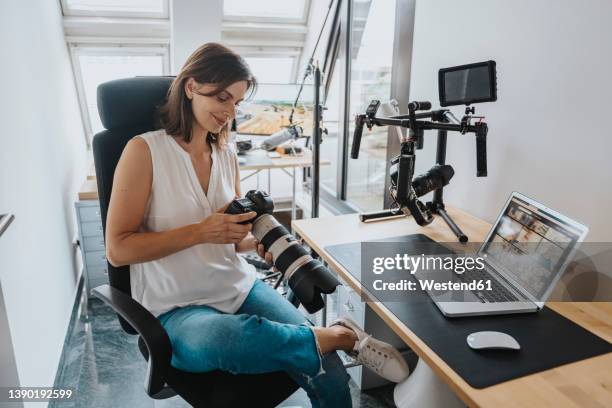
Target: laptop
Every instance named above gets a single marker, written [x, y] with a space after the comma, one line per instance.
[524, 256]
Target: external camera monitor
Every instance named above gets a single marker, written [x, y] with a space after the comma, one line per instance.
[467, 84]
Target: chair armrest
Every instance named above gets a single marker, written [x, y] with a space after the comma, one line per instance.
[150, 330]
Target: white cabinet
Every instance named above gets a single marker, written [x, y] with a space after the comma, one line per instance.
[91, 238]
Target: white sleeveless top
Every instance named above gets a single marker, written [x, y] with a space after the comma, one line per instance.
[204, 274]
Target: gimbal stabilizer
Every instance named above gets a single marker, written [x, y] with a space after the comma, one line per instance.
[405, 188]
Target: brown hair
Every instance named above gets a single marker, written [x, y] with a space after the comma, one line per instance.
[213, 64]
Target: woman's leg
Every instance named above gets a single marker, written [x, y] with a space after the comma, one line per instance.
[330, 387]
[204, 339]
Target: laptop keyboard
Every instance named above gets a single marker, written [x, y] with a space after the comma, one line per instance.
[498, 292]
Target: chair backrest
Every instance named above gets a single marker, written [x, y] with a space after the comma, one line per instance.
[127, 108]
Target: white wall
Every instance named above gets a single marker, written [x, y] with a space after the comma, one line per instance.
[547, 137]
[193, 22]
[42, 162]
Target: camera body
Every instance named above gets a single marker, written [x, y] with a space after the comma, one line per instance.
[244, 146]
[307, 277]
[254, 200]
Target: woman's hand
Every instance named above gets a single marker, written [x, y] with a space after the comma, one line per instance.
[221, 228]
[267, 256]
[249, 243]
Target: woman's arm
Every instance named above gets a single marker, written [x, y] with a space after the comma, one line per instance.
[131, 191]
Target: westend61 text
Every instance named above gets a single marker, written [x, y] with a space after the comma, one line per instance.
[428, 284]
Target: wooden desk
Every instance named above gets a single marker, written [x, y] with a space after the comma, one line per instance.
[586, 383]
[89, 190]
[283, 162]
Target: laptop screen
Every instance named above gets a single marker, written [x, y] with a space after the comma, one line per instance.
[531, 244]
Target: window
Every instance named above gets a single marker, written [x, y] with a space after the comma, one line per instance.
[372, 57]
[270, 108]
[112, 39]
[94, 66]
[116, 8]
[270, 10]
[272, 70]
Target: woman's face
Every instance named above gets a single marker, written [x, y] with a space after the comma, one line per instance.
[212, 113]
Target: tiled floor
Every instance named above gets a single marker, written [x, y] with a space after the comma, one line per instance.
[106, 369]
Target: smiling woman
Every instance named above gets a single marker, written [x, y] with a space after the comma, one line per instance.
[166, 219]
[220, 78]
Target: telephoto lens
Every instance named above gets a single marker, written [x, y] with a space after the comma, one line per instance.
[436, 177]
[307, 277]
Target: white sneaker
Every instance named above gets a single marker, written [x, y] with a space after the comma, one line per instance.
[380, 357]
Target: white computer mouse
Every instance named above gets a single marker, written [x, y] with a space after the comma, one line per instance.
[492, 340]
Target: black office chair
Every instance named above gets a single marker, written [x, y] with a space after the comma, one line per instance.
[127, 108]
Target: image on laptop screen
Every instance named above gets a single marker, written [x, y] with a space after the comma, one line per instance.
[531, 244]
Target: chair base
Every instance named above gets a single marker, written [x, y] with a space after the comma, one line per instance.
[224, 390]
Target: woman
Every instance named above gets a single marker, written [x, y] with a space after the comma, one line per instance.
[166, 221]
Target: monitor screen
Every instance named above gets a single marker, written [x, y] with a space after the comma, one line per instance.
[532, 244]
[467, 84]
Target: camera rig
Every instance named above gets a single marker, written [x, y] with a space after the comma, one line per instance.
[405, 189]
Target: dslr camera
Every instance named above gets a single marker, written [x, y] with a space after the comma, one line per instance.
[307, 277]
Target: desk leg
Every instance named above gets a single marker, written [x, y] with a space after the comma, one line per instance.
[424, 389]
[255, 173]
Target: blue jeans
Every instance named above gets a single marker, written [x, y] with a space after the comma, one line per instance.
[266, 334]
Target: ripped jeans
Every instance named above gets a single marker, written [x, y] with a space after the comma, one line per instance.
[266, 334]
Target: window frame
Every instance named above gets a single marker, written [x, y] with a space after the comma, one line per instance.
[78, 49]
[71, 11]
[264, 19]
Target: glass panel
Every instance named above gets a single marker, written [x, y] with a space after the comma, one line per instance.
[270, 107]
[264, 8]
[267, 113]
[329, 147]
[141, 6]
[271, 70]
[372, 55]
[96, 69]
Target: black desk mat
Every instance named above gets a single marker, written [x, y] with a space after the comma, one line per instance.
[547, 339]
